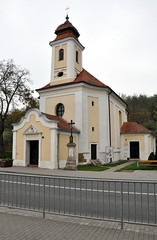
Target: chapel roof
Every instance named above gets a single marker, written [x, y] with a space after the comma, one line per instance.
[134, 128]
[66, 30]
[62, 123]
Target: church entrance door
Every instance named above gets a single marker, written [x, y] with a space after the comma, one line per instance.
[93, 151]
[34, 152]
[134, 150]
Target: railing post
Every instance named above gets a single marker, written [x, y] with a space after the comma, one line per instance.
[121, 205]
[44, 197]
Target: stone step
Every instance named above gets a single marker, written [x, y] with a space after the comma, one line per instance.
[96, 162]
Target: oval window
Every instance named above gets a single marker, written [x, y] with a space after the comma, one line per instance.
[60, 109]
[60, 74]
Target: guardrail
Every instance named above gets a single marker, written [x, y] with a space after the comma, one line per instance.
[122, 201]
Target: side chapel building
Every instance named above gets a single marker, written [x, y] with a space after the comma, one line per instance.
[101, 129]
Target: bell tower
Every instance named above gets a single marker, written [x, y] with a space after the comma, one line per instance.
[66, 54]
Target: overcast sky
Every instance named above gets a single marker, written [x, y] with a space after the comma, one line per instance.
[119, 36]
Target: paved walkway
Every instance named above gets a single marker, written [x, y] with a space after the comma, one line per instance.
[137, 175]
[22, 225]
[113, 169]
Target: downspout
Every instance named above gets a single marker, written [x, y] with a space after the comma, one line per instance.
[58, 148]
[109, 117]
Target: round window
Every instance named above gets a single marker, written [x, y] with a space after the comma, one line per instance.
[60, 110]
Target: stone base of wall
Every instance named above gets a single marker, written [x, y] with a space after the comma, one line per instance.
[19, 163]
[46, 164]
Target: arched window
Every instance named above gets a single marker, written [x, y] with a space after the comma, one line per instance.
[61, 54]
[77, 56]
[60, 109]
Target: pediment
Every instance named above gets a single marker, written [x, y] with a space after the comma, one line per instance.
[31, 130]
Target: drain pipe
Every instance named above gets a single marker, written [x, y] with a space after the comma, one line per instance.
[58, 138]
[109, 118]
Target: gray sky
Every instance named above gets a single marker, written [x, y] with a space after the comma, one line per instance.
[120, 39]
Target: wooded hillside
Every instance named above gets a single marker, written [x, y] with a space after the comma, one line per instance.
[143, 110]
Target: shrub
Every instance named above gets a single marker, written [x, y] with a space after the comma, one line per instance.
[156, 154]
[152, 156]
[6, 154]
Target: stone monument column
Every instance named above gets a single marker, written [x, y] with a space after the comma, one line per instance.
[71, 160]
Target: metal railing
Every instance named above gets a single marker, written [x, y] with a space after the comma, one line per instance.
[122, 201]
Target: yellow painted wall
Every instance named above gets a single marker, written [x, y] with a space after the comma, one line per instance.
[45, 142]
[69, 105]
[135, 137]
[19, 145]
[63, 63]
[93, 119]
[63, 150]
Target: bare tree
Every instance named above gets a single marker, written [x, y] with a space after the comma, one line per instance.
[14, 90]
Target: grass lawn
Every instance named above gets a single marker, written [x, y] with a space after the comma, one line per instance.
[133, 167]
[116, 163]
[90, 167]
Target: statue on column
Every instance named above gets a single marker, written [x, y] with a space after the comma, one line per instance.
[71, 160]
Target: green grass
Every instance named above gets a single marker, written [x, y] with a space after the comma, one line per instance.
[116, 164]
[133, 167]
[90, 167]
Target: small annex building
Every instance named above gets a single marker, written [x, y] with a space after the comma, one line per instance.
[101, 130]
[137, 141]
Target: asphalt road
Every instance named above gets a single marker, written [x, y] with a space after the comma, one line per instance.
[136, 202]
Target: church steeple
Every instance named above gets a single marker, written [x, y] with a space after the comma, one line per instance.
[67, 17]
[66, 53]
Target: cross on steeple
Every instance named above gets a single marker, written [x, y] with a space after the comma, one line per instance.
[71, 135]
[67, 17]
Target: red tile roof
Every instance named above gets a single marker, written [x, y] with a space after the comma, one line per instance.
[64, 35]
[62, 124]
[134, 128]
[66, 30]
[83, 77]
[66, 25]
[88, 78]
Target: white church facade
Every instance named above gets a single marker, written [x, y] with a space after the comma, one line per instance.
[101, 130]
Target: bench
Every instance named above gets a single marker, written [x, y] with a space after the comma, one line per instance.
[147, 162]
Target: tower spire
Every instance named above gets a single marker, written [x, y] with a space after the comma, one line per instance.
[67, 17]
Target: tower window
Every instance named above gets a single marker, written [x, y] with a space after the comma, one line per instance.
[120, 119]
[77, 56]
[60, 109]
[61, 54]
[92, 129]
[92, 103]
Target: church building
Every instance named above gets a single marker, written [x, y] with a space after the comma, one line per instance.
[101, 131]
